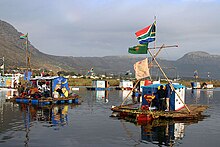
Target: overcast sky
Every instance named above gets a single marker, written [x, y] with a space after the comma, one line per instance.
[97, 28]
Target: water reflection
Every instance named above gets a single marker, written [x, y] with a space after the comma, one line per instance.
[36, 127]
[162, 133]
[209, 94]
[202, 96]
[170, 132]
[196, 95]
[53, 115]
[102, 96]
[125, 94]
[129, 96]
[50, 116]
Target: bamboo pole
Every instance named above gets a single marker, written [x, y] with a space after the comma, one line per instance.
[164, 46]
[168, 81]
[26, 52]
[155, 55]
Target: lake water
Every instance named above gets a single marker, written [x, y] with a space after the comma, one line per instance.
[89, 124]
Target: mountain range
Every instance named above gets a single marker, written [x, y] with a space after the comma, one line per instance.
[12, 48]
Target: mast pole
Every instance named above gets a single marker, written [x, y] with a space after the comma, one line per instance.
[155, 32]
[154, 23]
[28, 55]
[3, 70]
[26, 52]
[155, 42]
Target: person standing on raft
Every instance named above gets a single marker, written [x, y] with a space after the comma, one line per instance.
[168, 95]
[161, 93]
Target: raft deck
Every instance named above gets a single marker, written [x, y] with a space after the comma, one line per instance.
[183, 114]
[46, 101]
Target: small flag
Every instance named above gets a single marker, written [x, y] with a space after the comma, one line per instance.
[139, 49]
[90, 71]
[141, 69]
[24, 36]
[196, 75]
[147, 34]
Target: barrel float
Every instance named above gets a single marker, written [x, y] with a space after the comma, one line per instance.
[18, 100]
[26, 101]
[34, 102]
[144, 118]
[62, 101]
[70, 101]
[46, 103]
[76, 101]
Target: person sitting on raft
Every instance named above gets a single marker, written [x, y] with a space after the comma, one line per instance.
[60, 92]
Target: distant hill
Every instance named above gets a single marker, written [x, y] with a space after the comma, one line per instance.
[202, 62]
[12, 48]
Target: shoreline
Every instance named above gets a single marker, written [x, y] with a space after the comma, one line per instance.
[115, 82]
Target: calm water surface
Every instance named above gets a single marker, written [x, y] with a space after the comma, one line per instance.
[89, 124]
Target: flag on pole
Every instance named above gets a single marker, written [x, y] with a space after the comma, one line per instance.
[196, 75]
[90, 71]
[147, 34]
[139, 49]
[141, 69]
[24, 36]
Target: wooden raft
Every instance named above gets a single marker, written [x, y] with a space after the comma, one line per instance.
[195, 112]
[43, 99]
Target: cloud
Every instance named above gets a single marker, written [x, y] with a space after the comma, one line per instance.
[103, 28]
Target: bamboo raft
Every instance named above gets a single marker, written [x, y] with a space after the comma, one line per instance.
[137, 114]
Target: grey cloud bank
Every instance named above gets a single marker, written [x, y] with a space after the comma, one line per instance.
[105, 28]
